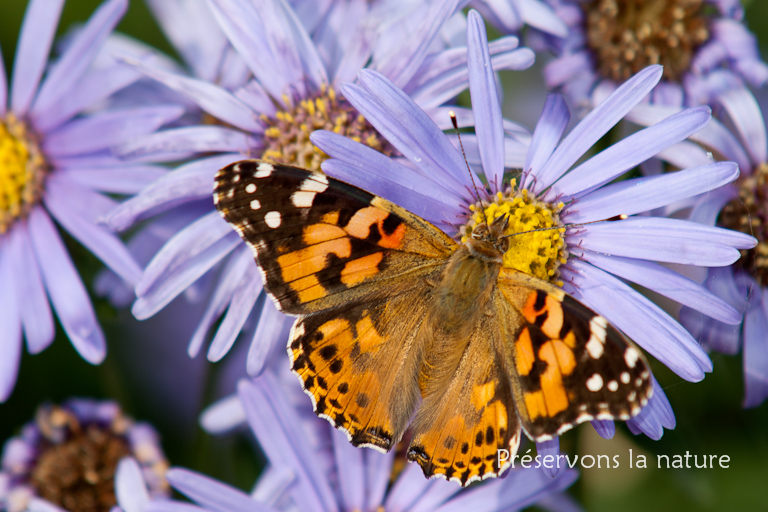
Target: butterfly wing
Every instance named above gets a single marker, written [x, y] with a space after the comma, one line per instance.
[319, 242]
[566, 363]
[355, 268]
[459, 428]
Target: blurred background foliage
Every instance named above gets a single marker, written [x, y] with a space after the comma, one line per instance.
[149, 373]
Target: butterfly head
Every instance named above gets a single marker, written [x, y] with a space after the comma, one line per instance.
[490, 240]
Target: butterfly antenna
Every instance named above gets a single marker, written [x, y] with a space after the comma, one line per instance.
[469, 170]
[612, 219]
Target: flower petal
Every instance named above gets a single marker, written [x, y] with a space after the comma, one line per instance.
[550, 449]
[37, 31]
[10, 326]
[270, 335]
[655, 416]
[351, 472]
[631, 151]
[77, 58]
[276, 426]
[668, 283]
[100, 131]
[65, 289]
[550, 128]
[192, 139]
[409, 129]
[605, 428]
[120, 179]
[130, 489]
[644, 194]
[400, 66]
[664, 239]
[485, 101]
[756, 350]
[33, 306]
[596, 124]
[211, 494]
[92, 89]
[639, 319]
[215, 100]
[182, 260]
[188, 182]
[748, 120]
[96, 238]
[240, 307]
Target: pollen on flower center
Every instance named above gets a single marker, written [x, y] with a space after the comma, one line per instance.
[76, 466]
[539, 253]
[287, 134]
[22, 171]
[628, 35]
[749, 214]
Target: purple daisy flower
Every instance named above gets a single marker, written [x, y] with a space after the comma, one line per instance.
[88, 438]
[591, 262]
[292, 93]
[703, 45]
[56, 165]
[743, 206]
[326, 473]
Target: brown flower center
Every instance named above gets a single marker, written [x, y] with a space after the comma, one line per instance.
[749, 214]
[628, 35]
[77, 472]
[287, 135]
[22, 171]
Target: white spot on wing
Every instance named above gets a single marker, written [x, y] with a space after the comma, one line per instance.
[236, 178]
[613, 385]
[631, 355]
[250, 188]
[314, 184]
[595, 383]
[255, 204]
[302, 199]
[272, 219]
[264, 170]
[624, 377]
[594, 347]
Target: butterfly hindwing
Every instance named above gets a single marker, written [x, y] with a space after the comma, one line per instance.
[320, 242]
[568, 365]
[460, 427]
[360, 364]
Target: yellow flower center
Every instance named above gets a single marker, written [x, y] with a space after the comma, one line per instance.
[628, 35]
[287, 135]
[539, 253]
[22, 171]
[749, 214]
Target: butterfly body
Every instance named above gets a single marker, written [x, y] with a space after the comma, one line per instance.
[398, 325]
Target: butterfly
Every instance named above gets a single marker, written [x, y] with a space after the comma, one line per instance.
[399, 325]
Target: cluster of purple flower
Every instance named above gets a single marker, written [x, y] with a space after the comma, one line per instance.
[113, 135]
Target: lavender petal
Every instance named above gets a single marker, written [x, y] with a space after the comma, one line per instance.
[211, 494]
[34, 309]
[37, 31]
[130, 489]
[756, 350]
[100, 131]
[65, 289]
[10, 327]
[77, 58]
[550, 128]
[631, 151]
[645, 194]
[596, 124]
[485, 101]
[192, 139]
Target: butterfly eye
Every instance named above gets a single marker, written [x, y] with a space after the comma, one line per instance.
[481, 231]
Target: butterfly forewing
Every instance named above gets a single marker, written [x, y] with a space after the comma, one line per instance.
[320, 242]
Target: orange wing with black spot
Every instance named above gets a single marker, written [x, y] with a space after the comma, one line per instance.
[460, 427]
[321, 243]
[567, 365]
